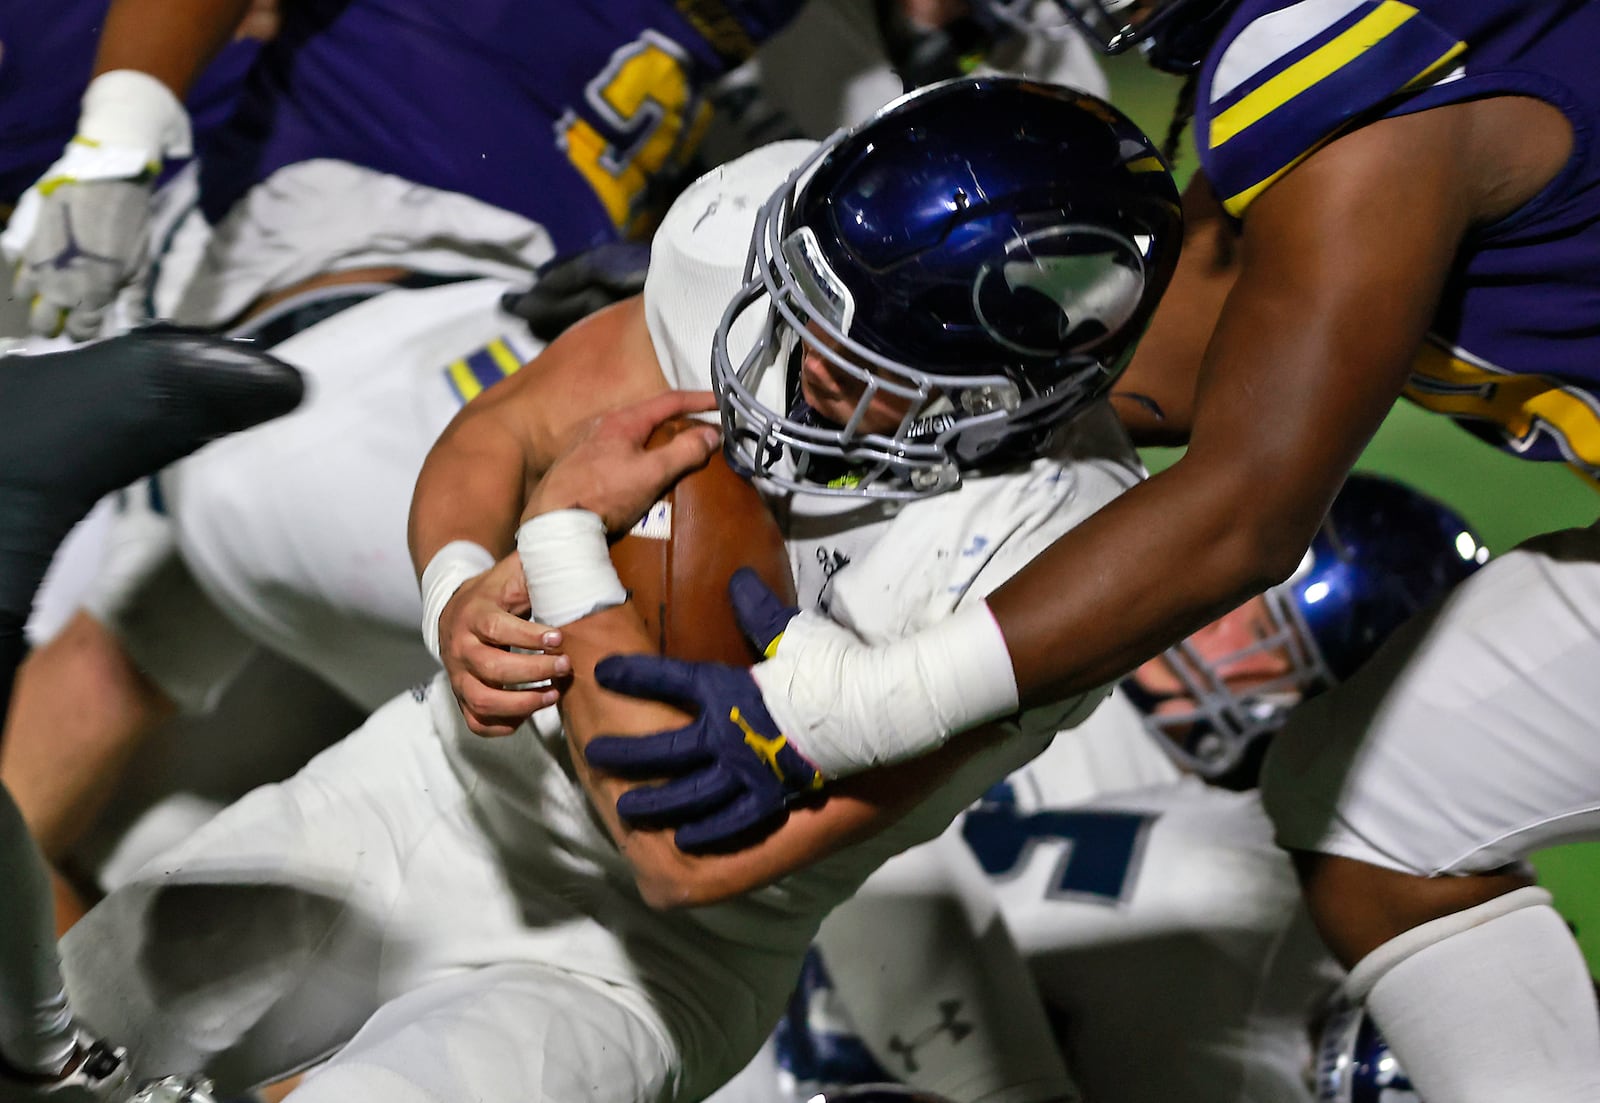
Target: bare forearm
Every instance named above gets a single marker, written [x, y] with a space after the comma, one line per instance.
[666, 876]
[1308, 355]
[472, 487]
[172, 40]
[1155, 396]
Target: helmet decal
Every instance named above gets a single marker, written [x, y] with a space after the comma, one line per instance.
[1062, 287]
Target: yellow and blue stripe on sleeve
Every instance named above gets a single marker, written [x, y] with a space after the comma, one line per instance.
[472, 374]
[1294, 78]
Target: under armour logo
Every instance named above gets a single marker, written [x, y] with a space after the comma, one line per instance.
[949, 1023]
[831, 562]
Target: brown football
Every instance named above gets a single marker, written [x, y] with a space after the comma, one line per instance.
[677, 561]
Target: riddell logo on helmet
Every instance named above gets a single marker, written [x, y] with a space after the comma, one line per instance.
[1060, 290]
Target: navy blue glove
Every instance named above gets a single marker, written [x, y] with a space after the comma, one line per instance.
[733, 773]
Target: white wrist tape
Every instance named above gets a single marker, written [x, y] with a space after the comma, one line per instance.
[450, 566]
[134, 110]
[568, 566]
[848, 707]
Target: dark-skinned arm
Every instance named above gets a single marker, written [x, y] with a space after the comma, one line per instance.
[1155, 396]
[608, 450]
[172, 40]
[1338, 279]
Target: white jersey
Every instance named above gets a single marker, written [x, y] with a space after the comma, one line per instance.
[1164, 929]
[1466, 742]
[1161, 928]
[292, 535]
[327, 216]
[414, 860]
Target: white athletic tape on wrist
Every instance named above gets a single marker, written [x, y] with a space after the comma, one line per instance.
[129, 109]
[450, 566]
[1372, 968]
[568, 566]
[847, 707]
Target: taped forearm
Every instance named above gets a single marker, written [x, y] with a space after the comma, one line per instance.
[849, 707]
[567, 563]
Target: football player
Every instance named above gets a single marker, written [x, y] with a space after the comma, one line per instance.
[1133, 865]
[454, 917]
[1305, 307]
[155, 397]
[349, 192]
[292, 539]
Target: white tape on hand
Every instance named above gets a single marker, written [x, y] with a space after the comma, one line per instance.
[567, 563]
[450, 567]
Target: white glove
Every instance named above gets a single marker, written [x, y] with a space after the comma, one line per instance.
[81, 232]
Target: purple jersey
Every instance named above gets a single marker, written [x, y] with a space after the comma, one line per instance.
[1514, 350]
[46, 55]
[567, 113]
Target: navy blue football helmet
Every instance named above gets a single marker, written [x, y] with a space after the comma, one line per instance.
[1354, 1064]
[1174, 34]
[1383, 553]
[985, 250]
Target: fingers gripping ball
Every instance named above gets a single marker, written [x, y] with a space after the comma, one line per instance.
[731, 769]
[677, 562]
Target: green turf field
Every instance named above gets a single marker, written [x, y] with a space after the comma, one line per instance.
[1506, 499]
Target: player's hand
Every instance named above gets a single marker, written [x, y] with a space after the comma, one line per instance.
[485, 618]
[84, 241]
[572, 287]
[81, 232]
[733, 773]
[607, 469]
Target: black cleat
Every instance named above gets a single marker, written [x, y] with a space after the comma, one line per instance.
[76, 425]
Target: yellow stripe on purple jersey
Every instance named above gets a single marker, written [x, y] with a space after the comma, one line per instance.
[1294, 78]
[1514, 351]
[1531, 415]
